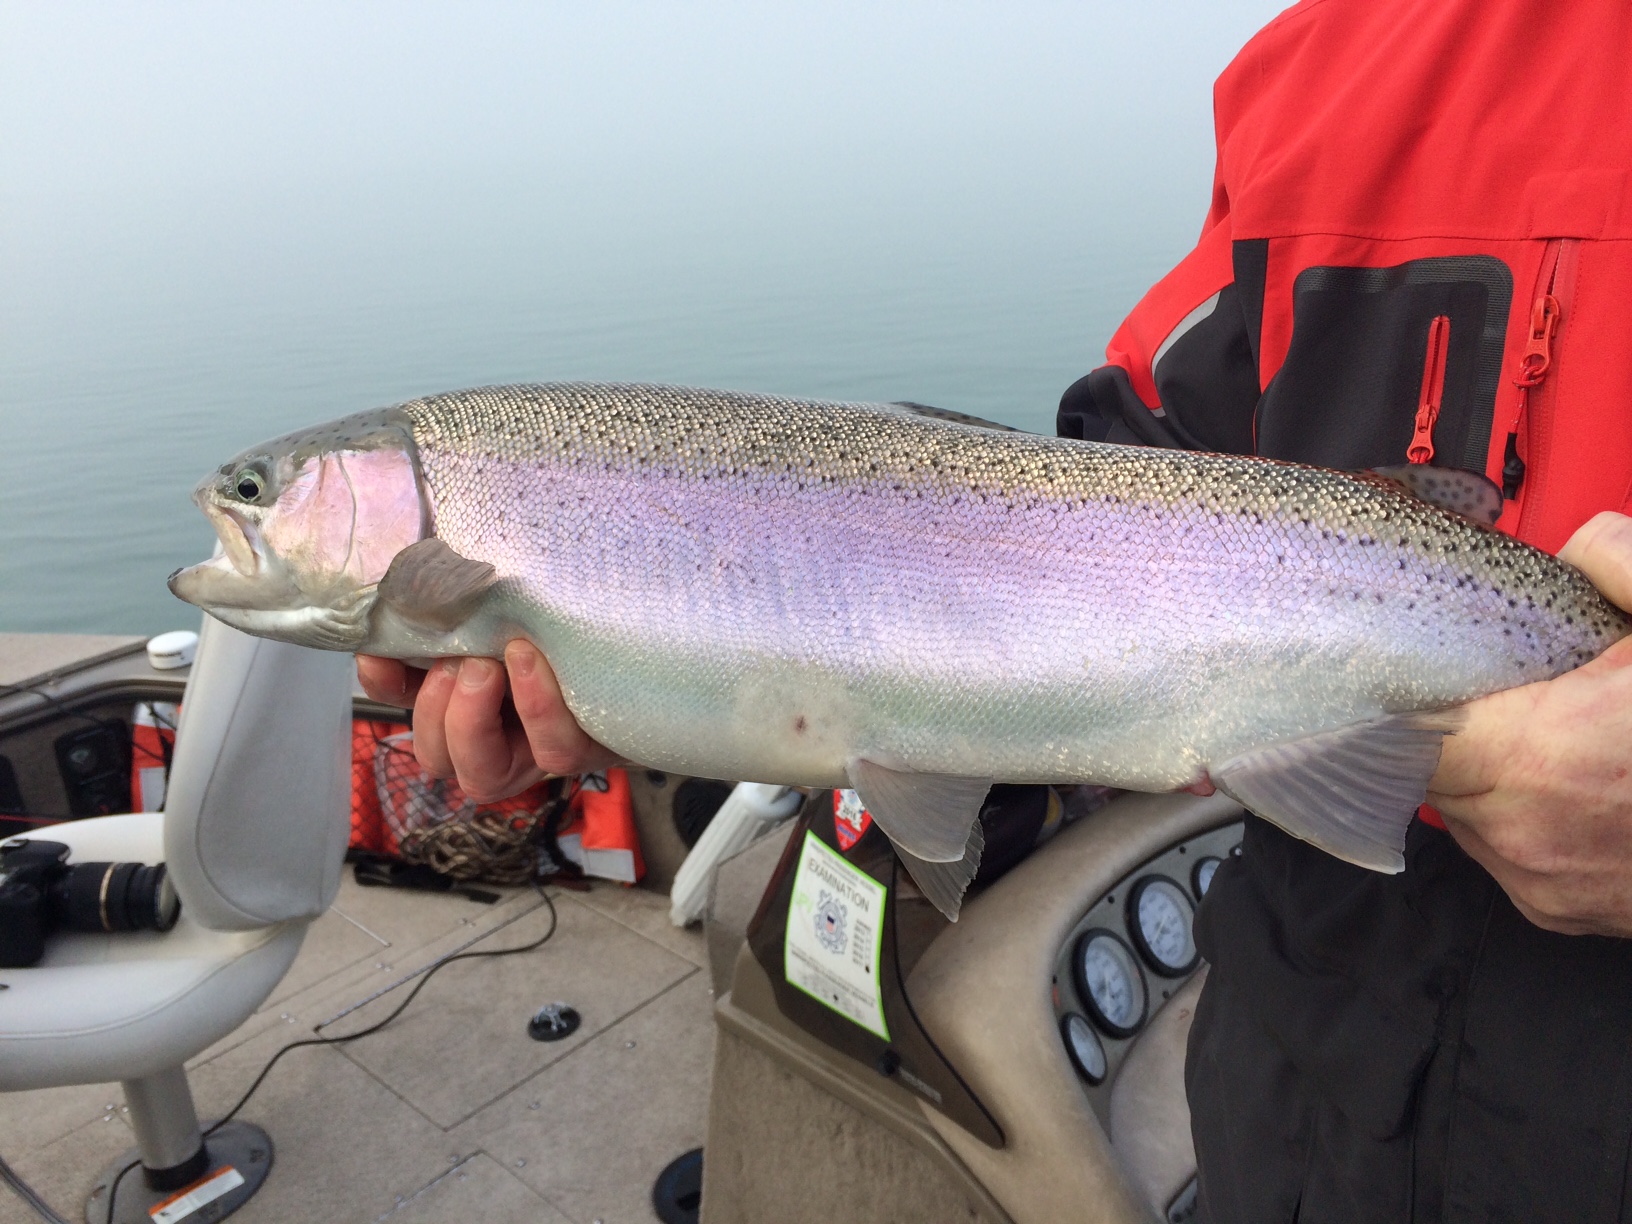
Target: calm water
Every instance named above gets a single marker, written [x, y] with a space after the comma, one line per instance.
[211, 233]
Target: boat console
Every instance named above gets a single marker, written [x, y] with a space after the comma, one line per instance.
[1024, 1064]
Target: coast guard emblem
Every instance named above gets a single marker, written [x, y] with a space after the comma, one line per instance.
[830, 924]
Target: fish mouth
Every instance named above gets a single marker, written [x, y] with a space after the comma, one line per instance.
[236, 576]
[236, 535]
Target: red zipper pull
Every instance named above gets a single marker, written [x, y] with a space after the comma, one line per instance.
[1538, 350]
[1534, 363]
[1432, 395]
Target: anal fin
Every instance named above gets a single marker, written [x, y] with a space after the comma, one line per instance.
[945, 883]
[429, 584]
[1351, 791]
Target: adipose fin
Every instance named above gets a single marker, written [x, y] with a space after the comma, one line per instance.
[1469, 494]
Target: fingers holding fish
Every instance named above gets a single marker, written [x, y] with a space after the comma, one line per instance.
[390, 681]
[463, 730]
[1505, 730]
[558, 744]
[430, 710]
[1602, 550]
[1538, 786]
[1538, 789]
[497, 729]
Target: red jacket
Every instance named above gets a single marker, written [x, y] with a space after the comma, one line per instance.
[1408, 160]
[1420, 240]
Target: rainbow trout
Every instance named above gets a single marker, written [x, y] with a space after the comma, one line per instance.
[826, 594]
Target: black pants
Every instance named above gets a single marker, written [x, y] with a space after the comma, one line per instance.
[1393, 1048]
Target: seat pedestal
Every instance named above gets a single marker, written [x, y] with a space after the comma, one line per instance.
[172, 1159]
[243, 1145]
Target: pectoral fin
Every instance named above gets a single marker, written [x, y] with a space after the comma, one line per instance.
[1469, 494]
[430, 584]
[945, 883]
[1352, 792]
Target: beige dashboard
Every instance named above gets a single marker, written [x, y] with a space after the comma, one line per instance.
[799, 1131]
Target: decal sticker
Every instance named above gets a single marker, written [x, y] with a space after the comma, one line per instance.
[834, 942]
[850, 819]
[200, 1194]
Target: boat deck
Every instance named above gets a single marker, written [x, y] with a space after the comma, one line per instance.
[452, 1112]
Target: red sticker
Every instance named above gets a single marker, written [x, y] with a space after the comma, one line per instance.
[850, 819]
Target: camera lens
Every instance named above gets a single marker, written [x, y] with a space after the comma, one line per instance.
[151, 903]
[116, 897]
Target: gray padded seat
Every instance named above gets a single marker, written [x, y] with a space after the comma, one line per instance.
[254, 832]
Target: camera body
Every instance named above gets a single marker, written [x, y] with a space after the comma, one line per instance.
[41, 892]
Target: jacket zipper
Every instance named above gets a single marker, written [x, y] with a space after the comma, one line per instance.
[1432, 395]
[1526, 439]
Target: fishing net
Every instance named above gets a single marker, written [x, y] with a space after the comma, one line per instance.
[432, 821]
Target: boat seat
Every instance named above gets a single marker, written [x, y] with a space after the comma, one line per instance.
[253, 834]
[107, 1007]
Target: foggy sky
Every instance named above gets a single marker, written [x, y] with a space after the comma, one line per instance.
[342, 120]
[222, 221]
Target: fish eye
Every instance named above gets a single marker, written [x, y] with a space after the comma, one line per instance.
[247, 484]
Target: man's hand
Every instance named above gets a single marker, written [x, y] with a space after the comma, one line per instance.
[467, 725]
[1538, 786]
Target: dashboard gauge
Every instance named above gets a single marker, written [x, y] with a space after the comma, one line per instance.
[1159, 919]
[1202, 876]
[1109, 981]
[1087, 1052]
